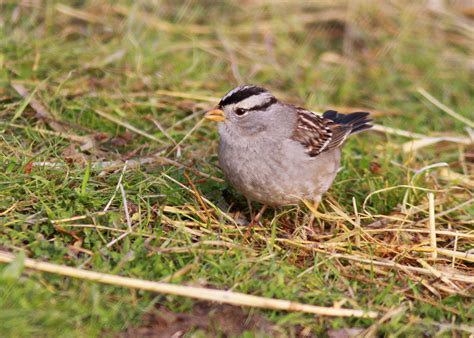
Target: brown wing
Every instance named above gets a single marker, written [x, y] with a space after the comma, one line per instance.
[317, 133]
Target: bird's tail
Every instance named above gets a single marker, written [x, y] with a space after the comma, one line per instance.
[358, 121]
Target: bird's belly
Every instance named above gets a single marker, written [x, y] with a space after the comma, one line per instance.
[280, 176]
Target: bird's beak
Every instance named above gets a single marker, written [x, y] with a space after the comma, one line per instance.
[216, 115]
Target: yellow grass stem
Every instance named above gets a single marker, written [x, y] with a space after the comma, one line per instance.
[221, 296]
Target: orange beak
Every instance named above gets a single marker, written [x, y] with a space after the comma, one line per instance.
[216, 115]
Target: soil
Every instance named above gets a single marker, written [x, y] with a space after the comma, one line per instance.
[218, 320]
[212, 319]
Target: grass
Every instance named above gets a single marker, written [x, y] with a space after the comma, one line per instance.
[86, 85]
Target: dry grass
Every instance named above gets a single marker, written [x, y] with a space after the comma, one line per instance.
[109, 167]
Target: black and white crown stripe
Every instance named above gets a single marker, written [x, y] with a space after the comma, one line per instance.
[241, 93]
[249, 97]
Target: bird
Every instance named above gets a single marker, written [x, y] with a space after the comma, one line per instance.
[276, 153]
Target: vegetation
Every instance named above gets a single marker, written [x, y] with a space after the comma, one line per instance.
[87, 85]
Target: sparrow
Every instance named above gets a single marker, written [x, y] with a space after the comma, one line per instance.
[277, 153]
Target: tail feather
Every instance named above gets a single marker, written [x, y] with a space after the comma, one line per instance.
[358, 121]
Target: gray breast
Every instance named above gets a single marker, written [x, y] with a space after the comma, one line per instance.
[277, 172]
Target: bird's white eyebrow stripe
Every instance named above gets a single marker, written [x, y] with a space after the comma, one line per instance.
[255, 101]
[239, 94]
[265, 105]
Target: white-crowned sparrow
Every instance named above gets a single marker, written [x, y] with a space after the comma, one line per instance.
[278, 154]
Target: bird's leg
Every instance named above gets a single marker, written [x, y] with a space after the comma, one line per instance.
[249, 205]
[255, 220]
[313, 216]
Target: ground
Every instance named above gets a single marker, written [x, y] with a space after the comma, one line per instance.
[87, 85]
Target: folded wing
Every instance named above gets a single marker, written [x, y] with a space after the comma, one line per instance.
[322, 133]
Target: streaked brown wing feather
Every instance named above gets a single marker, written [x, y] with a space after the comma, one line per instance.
[317, 133]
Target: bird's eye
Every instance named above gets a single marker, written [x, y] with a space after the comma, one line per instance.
[240, 111]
